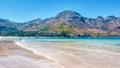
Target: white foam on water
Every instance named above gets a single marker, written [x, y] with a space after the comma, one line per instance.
[23, 44]
[58, 53]
[34, 51]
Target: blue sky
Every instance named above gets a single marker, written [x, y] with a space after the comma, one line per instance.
[25, 10]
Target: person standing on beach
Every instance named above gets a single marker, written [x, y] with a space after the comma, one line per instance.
[20, 39]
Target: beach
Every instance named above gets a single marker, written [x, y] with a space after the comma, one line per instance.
[57, 55]
[13, 56]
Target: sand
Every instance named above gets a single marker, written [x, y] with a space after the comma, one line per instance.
[76, 55]
[13, 56]
[57, 55]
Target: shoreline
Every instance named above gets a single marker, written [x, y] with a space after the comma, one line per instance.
[63, 37]
[73, 55]
[35, 52]
[11, 47]
[12, 55]
[57, 55]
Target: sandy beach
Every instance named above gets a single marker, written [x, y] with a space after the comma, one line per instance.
[13, 56]
[59, 55]
[75, 55]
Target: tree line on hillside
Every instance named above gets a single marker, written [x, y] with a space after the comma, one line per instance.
[39, 34]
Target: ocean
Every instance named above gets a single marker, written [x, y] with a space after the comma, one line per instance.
[84, 41]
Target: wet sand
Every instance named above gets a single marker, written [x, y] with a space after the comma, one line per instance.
[13, 56]
[76, 55]
[57, 55]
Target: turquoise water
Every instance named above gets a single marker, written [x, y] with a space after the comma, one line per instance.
[84, 41]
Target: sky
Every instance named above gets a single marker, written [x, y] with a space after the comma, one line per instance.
[26, 10]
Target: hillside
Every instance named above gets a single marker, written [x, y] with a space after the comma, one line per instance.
[65, 24]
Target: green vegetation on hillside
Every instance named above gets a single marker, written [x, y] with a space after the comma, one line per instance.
[65, 24]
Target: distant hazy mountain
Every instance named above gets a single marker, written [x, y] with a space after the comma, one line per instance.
[66, 24]
[8, 27]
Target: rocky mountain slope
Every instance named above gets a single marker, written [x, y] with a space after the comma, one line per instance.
[68, 24]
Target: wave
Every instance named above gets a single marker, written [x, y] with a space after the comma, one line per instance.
[22, 44]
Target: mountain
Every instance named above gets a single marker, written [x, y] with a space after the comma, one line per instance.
[8, 27]
[68, 24]
[31, 25]
[8, 23]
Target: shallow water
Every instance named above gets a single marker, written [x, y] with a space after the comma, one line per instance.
[84, 41]
[76, 53]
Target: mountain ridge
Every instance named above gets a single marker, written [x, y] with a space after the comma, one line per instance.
[69, 24]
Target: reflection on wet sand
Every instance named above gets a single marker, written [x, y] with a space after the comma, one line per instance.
[76, 55]
[57, 55]
[13, 56]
